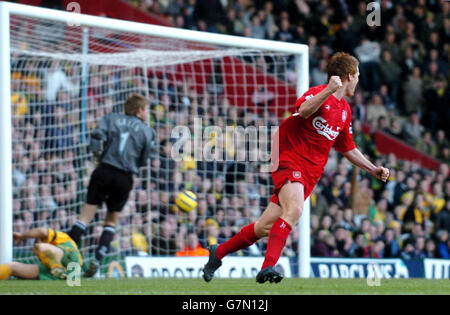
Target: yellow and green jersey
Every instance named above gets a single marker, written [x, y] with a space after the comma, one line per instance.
[63, 241]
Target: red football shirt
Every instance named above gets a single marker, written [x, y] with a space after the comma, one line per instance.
[304, 143]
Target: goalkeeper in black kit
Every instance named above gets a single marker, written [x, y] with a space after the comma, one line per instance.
[122, 143]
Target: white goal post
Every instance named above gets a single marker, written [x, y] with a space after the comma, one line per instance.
[85, 22]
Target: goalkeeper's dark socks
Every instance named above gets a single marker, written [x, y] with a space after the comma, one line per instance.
[105, 240]
[277, 240]
[241, 240]
[77, 231]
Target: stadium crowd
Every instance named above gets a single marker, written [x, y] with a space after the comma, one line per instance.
[404, 92]
[404, 60]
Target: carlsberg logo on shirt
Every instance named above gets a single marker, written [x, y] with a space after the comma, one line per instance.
[324, 129]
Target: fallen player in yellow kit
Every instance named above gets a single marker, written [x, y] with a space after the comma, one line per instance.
[55, 250]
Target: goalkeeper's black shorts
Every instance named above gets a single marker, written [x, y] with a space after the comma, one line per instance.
[111, 185]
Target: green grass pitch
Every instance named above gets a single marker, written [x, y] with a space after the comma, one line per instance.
[226, 287]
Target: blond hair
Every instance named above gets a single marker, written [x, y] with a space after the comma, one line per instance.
[134, 103]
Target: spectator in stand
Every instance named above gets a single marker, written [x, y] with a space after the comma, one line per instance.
[138, 238]
[60, 132]
[233, 24]
[285, 33]
[442, 246]
[420, 248]
[359, 248]
[341, 241]
[57, 79]
[319, 248]
[388, 101]
[392, 247]
[344, 198]
[415, 213]
[345, 38]
[359, 108]
[319, 204]
[212, 232]
[325, 245]
[390, 45]
[445, 156]
[414, 97]
[175, 7]
[431, 76]
[443, 218]
[408, 251]
[430, 249]
[379, 211]
[382, 124]
[377, 249]
[433, 57]
[438, 199]
[211, 12]
[412, 130]
[437, 111]
[163, 243]
[400, 187]
[368, 53]
[409, 61]
[193, 247]
[427, 145]
[348, 222]
[319, 75]
[441, 142]
[410, 40]
[258, 28]
[445, 32]
[326, 223]
[376, 109]
[313, 52]
[390, 73]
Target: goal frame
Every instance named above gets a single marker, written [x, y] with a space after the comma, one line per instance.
[85, 21]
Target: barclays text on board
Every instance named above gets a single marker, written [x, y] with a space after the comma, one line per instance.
[437, 268]
[358, 268]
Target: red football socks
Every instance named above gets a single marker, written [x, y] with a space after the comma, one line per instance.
[277, 239]
[241, 240]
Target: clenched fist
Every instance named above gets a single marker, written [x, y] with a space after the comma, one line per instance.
[381, 173]
[334, 84]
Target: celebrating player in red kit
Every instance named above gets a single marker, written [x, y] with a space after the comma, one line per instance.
[299, 154]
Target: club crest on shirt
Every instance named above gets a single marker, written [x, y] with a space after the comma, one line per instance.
[296, 174]
[344, 115]
[327, 107]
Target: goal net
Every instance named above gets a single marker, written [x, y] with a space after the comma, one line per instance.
[214, 109]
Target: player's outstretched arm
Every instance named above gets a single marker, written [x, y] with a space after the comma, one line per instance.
[357, 158]
[311, 105]
[37, 233]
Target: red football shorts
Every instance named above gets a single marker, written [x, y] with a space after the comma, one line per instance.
[282, 175]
